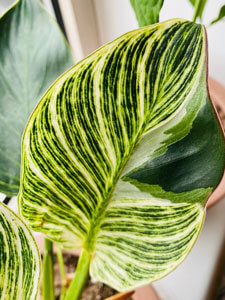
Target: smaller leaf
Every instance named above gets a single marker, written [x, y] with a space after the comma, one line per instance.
[19, 259]
[147, 11]
[193, 2]
[200, 7]
[220, 16]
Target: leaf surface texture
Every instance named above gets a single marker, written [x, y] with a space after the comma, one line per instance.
[119, 155]
[19, 259]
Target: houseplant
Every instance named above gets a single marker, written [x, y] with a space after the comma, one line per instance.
[179, 135]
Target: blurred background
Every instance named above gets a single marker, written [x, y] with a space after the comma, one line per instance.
[92, 23]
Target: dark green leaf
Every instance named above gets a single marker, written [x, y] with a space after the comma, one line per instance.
[220, 16]
[33, 53]
[147, 11]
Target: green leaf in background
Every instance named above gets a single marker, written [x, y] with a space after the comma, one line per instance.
[19, 259]
[122, 152]
[220, 16]
[199, 6]
[33, 53]
[147, 11]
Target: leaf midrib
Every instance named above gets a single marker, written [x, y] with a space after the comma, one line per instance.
[101, 209]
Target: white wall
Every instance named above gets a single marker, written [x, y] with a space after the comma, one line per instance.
[116, 17]
[4, 5]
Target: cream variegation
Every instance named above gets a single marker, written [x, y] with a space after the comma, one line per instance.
[19, 259]
[119, 155]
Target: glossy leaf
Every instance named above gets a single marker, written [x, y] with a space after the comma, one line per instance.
[33, 53]
[19, 259]
[122, 152]
[220, 16]
[147, 11]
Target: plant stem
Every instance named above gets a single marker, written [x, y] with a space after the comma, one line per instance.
[48, 272]
[62, 273]
[197, 8]
[81, 275]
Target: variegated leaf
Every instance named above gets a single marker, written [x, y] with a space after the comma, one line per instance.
[122, 152]
[19, 259]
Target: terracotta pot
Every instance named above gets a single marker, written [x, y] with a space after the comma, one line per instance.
[217, 93]
[121, 296]
[144, 293]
